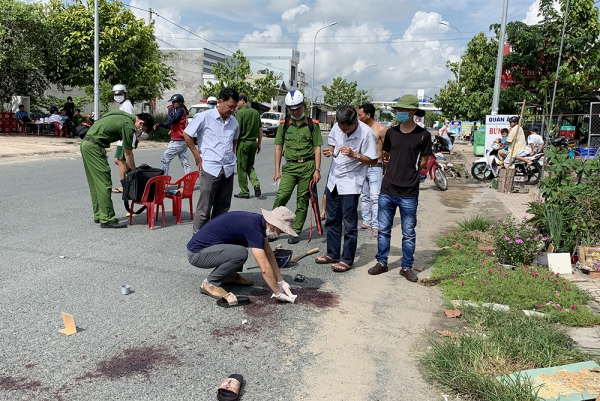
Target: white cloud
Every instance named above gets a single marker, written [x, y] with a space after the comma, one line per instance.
[532, 16]
[271, 37]
[289, 15]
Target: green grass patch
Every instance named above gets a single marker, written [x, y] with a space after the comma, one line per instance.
[473, 274]
[476, 223]
[499, 343]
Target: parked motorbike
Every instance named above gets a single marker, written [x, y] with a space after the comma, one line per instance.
[439, 144]
[435, 172]
[563, 143]
[489, 166]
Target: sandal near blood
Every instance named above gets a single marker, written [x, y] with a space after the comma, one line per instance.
[229, 390]
[230, 300]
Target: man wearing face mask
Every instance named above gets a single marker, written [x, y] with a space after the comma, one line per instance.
[300, 141]
[113, 126]
[120, 96]
[211, 102]
[221, 246]
[409, 148]
[217, 133]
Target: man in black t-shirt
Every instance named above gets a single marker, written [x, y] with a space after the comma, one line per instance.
[221, 245]
[409, 148]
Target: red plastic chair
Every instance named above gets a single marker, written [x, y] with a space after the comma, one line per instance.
[59, 130]
[158, 199]
[188, 182]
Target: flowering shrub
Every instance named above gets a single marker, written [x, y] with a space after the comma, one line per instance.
[516, 243]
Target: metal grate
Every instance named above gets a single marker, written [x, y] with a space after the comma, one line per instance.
[594, 128]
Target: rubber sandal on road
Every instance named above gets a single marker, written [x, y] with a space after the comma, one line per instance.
[117, 191]
[340, 267]
[230, 300]
[323, 260]
[363, 227]
[229, 390]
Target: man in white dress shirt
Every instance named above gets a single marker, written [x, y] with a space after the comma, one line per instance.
[217, 132]
[354, 147]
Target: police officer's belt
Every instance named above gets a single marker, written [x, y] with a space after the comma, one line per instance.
[247, 139]
[89, 139]
[300, 160]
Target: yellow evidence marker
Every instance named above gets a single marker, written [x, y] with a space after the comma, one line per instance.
[69, 324]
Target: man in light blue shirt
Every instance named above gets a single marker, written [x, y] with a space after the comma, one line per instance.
[217, 132]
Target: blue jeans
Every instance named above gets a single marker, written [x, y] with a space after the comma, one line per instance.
[341, 208]
[449, 141]
[408, 218]
[370, 196]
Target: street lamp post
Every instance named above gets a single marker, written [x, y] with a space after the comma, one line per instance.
[313, 72]
[461, 46]
[363, 79]
[446, 68]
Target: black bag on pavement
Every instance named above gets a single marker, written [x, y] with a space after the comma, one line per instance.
[81, 130]
[135, 181]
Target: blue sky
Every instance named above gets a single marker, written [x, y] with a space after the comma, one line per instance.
[403, 37]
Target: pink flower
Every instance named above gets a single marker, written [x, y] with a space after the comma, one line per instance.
[526, 266]
[516, 235]
[539, 306]
[556, 281]
[499, 269]
[506, 238]
[462, 283]
[557, 294]
[450, 255]
[446, 232]
[566, 310]
[510, 242]
[492, 227]
[453, 231]
[454, 278]
[560, 308]
[549, 303]
[484, 281]
[447, 261]
[534, 229]
[482, 261]
[457, 246]
[544, 238]
[519, 241]
[489, 271]
[499, 219]
[566, 287]
[505, 274]
[573, 307]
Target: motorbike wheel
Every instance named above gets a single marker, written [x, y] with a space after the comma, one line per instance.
[533, 174]
[481, 171]
[440, 179]
[437, 147]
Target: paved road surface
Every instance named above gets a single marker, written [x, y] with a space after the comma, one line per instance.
[350, 336]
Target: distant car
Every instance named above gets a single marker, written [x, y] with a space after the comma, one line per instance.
[195, 109]
[270, 121]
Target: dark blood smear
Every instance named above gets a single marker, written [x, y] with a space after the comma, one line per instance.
[133, 361]
[306, 296]
[19, 383]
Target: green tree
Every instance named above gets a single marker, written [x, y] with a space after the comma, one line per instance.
[535, 49]
[531, 62]
[24, 47]
[235, 73]
[129, 53]
[342, 93]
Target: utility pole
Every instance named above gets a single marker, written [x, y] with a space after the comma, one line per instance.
[499, 61]
[96, 61]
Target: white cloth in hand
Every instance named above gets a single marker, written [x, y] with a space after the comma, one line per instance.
[284, 298]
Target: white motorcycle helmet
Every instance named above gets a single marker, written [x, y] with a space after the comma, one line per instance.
[119, 89]
[294, 100]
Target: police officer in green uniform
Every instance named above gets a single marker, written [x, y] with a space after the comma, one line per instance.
[302, 152]
[248, 146]
[113, 126]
